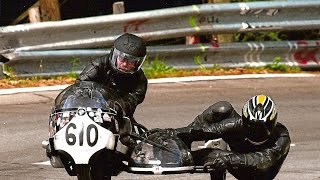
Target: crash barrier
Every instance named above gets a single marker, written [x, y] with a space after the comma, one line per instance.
[101, 31]
[305, 54]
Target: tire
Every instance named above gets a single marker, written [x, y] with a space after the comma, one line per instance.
[218, 175]
[100, 174]
[83, 172]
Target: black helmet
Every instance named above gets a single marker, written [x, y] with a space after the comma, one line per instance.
[128, 53]
[259, 114]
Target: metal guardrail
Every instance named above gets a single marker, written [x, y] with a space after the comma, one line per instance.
[95, 32]
[21, 43]
[305, 54]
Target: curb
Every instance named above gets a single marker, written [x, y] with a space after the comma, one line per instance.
[166, 80]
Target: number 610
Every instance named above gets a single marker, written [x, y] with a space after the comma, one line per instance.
[71, 138]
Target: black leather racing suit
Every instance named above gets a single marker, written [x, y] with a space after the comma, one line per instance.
[131, 88]
[247, 161]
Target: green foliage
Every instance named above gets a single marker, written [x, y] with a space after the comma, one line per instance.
[197, 61]
[7, 71]
[257, 36]
[75, 63]
[277, 66]
[216, 67]
[72, 74]
[156, 68]
[301, 34]
[277, 36]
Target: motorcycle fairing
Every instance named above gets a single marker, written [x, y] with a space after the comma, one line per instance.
[61, 117]
[82, 137]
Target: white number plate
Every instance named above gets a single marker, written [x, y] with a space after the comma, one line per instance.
[82, 137]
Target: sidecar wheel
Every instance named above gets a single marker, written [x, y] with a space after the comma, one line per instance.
[83, 172]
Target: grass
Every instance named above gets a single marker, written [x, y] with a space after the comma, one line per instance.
[34, 82]
[156, 69]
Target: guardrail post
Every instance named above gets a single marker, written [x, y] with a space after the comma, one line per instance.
[221, 38]
[118, 7]
[1, 70]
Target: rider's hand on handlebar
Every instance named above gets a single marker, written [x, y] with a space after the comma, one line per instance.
[168, 131]
[187, 130]
[219, 163]
[128, 141]
[151, 131]
[115, 105]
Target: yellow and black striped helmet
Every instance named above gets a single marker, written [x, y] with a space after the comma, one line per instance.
[259, 114]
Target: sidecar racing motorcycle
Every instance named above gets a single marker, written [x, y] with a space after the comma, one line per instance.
[91, 138]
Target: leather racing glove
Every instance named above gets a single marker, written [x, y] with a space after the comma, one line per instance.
[219, 163]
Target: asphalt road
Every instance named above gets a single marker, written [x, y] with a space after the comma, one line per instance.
[24, 123]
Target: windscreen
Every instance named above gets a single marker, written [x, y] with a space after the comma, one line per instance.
[82, 94]
[94, 100]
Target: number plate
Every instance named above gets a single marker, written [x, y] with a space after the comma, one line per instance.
[82, 137]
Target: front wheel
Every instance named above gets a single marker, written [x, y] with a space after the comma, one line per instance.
[83, 172]
[218, 175]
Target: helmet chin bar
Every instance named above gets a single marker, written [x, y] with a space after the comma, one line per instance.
[256, 143]
[258, 133]
[125, 72]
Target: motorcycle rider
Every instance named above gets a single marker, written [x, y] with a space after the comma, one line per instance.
[259, 144]
[121, 71]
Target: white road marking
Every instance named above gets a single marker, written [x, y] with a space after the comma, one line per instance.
[47, 163]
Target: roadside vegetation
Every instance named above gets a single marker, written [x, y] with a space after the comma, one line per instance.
[155, 69]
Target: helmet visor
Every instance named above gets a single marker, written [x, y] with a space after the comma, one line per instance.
[127, 63]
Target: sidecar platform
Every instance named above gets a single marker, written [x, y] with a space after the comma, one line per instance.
[161, 170]
[157, 170]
